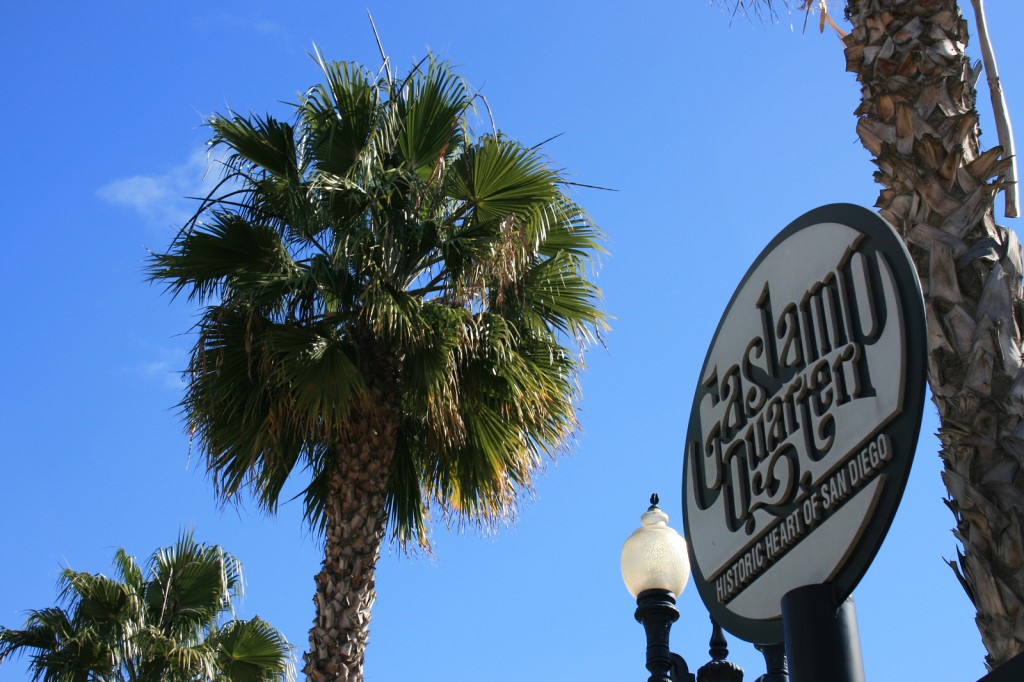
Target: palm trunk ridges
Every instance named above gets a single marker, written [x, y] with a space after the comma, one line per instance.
[356, 524]
[918, 119]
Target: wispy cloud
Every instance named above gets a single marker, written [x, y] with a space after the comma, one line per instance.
[166, 370]
[161, 199]
[259, 25]
[269, 28]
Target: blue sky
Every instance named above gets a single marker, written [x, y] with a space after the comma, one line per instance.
[715, 134]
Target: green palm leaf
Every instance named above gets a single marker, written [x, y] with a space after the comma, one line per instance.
[499, 177]
[229, 250]
[430, 114]
[264, 143]
[341, 116]
[251, 651]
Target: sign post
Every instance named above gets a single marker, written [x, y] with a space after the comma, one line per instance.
[803, 428]
[822, 641]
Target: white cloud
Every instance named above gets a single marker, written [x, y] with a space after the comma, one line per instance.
[246, 23]
[166, 371]
[161, 199]
[269, 28]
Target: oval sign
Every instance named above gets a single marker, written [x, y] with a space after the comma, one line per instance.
[805, 418]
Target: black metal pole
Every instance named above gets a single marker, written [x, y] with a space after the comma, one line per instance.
[656, 611]
[718, 669]
[822, 642]
[776, 668]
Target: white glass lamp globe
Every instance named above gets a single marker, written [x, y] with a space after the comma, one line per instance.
[654, 556]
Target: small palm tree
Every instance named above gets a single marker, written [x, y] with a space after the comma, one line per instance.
[393, 306]
[161, 625]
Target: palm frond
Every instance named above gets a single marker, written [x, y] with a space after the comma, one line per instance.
[252, 651]
[259, 143]
[499, 177]
[430, 109]
[229, 252]
[190, 586]
[340, 116]
[321, 368]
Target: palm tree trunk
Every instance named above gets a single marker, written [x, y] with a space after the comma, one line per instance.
[918, 119]
[356, 521]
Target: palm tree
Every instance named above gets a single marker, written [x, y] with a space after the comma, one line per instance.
[158, 625]
[918, 119]
[392, 305]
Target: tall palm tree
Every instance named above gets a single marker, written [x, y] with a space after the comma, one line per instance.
[163, 624]
[393, 306]
[918, 119]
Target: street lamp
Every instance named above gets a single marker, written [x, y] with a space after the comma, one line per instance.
[656, 569]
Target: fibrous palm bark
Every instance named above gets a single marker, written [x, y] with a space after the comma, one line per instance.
[356, 519]
[918, 119]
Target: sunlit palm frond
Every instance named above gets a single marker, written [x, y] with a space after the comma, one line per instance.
[429, 110]
[128, 571]
[190, 586]
[252, 651]
[500, 177]
[340, 116]
[563, 226]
